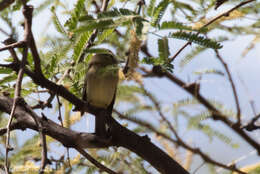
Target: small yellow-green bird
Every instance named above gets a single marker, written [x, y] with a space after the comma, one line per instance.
[100, 87]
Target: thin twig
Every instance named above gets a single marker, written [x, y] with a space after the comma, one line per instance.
[251, 126]
[96, 6]
[158, 108]
[9, 41]
[41, 104]
[61, 122]
[227, 12]
[59, 111]
[95, 162]
[210, 22]
[44, 160]
[20, 44]
[234, 162]
[195, 171]
[3, 31]
[17, 96]
[249, 95]
[179, 51]
[232, 85]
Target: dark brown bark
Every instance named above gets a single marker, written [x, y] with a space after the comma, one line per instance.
[121, 136]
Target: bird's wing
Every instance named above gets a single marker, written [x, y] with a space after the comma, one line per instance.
[84, 92]
[111, 105]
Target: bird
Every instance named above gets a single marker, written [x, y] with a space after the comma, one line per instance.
[100, 87]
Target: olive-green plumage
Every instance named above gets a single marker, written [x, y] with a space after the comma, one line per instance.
[100, 85]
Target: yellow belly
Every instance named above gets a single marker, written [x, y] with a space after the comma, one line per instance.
[101, 88]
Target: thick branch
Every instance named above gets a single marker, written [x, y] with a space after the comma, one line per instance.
[121, 136]
[64, 135]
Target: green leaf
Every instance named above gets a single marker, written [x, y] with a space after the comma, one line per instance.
[163, 48]
[197, 39]
[41, 7]
[159, 11]
[98, 24]
[139, 25]
[127, 93]
[7, 79]
[211, 133]
[111, 19]
[209, 71]
[57, 23]
[104, 35]
[180, 26]
[256, 170]
[196, 51]
[196, 119]
[72, 22]
[116, 13]
[151, 7]
[186, 102]
[17, 6]
[86, 18]
[5, 70]
[174, 25]
[80, 45]
[184, 6]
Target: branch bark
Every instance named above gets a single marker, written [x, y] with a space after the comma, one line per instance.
[121, 136]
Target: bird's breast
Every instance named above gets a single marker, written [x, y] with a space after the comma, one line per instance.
[101, 87]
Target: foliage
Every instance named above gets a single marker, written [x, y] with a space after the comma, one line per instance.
[157, 24]
[197, 39]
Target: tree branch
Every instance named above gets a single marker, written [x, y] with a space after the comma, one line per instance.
[64, 135]
[17, 96]
[27, 12]
[121, 136]
[232, 85]
[20, 44]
